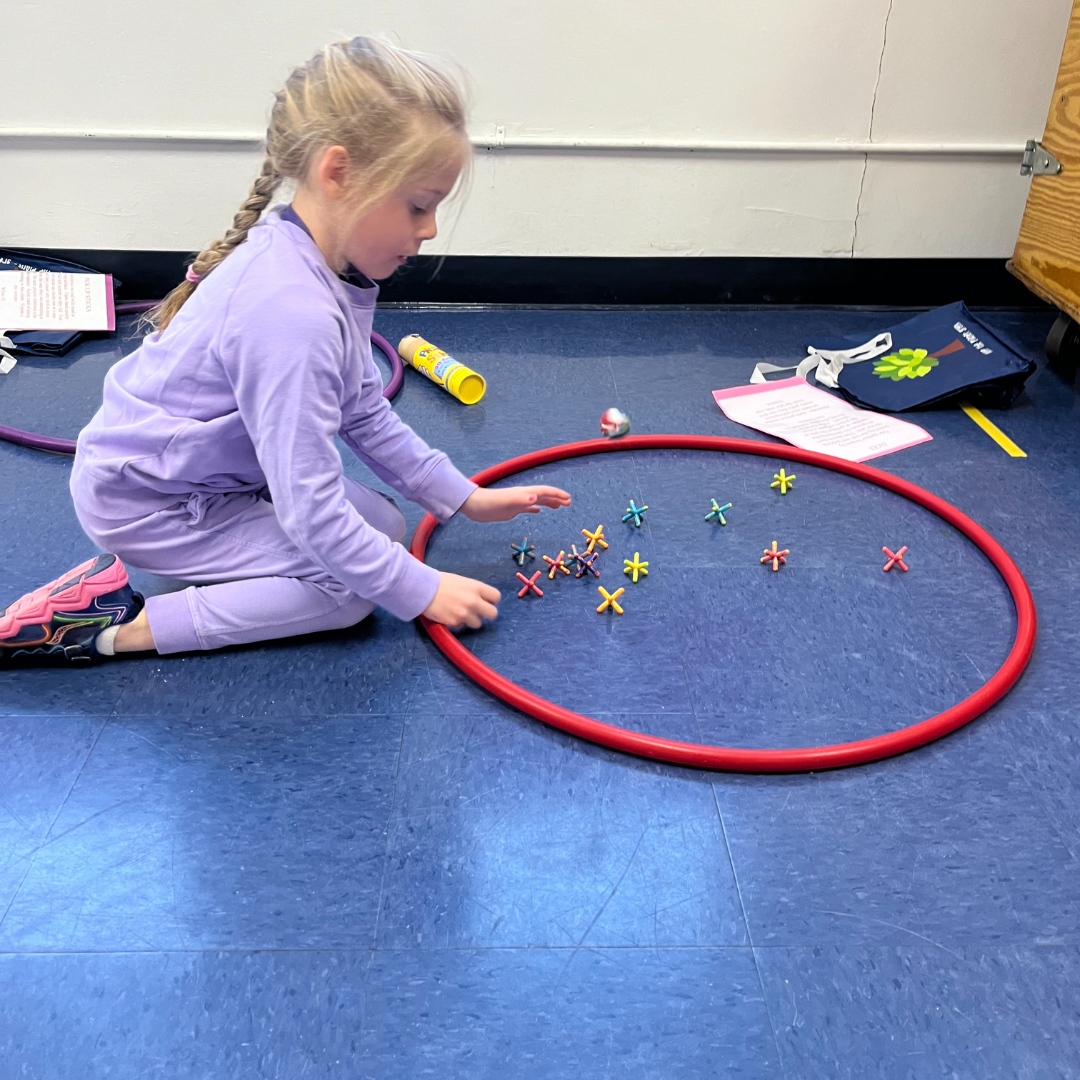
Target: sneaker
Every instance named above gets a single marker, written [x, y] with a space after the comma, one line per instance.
[59, 621]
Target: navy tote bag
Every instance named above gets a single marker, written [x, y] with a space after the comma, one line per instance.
[936, 359]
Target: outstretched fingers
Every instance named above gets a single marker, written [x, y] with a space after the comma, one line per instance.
[552, 497]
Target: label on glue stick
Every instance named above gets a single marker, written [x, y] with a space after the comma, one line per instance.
[442, 368]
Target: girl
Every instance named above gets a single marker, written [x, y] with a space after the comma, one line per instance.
[212, 458]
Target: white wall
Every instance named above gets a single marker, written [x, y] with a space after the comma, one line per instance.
[804, 71]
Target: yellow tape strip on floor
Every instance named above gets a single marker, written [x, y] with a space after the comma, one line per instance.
[993, 431]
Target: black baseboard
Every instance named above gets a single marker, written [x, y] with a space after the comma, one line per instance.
[572, 280]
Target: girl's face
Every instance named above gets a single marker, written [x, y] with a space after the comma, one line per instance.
[393, 229]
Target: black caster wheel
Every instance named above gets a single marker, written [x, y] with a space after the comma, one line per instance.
[1063, 348]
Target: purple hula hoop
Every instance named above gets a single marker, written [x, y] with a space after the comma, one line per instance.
[397, 368]
[67, 446]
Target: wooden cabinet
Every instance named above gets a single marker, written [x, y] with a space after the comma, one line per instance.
[1047, 254]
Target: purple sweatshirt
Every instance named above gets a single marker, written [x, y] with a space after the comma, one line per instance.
[267, 361]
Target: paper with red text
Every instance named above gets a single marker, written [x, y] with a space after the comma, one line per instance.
[803, 415]
[35, 300]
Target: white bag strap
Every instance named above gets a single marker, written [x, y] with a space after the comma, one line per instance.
[828, 361]
[7, 361]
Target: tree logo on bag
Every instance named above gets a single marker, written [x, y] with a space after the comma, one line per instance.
[905, 364]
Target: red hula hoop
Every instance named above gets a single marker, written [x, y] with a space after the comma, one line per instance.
[738, 759]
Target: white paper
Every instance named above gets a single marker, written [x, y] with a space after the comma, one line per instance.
[803, 415]
[33, 300]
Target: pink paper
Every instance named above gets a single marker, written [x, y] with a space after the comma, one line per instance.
[801, 414]
[39, 300]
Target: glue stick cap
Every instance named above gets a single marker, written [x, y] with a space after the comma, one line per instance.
[466, 385]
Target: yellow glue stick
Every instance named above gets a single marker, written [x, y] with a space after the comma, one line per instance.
[454, 377]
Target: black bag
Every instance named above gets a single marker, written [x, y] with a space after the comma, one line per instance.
[936, 359]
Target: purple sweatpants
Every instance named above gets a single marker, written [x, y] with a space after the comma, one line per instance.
[250, 583]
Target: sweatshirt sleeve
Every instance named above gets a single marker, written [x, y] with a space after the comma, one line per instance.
[286, 374]
[396, 454]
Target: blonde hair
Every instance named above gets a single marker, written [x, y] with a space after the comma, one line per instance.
[393, 110]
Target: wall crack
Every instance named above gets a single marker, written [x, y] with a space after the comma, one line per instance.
[870, 132]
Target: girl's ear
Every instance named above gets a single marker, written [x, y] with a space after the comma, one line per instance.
[332, 170]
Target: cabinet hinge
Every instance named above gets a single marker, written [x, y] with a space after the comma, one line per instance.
[1038, 161]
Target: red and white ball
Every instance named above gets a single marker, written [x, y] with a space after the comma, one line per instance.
[614, 422]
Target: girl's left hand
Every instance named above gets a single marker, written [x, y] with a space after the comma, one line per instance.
[501, 504]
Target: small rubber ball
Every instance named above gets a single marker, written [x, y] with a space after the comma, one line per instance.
[614, 422]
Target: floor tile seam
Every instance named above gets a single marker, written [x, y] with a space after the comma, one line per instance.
[614, 380]
[393, 804]
[749, 937]
[571, 948]
[131, 661]
[144, 714]
[7, 954]
[365, 983]
[731, 864]
[976, 947]
[496, 705]
[769, 1012]
[697, 725]
[415, 645]
[103, 715]
[492, 711]
[116, 710]
[59, 810]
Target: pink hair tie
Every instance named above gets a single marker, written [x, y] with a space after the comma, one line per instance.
[192, 276]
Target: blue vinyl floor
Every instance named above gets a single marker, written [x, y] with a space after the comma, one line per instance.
[336, 857]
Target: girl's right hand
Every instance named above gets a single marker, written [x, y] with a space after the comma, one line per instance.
[462, 601]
